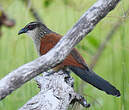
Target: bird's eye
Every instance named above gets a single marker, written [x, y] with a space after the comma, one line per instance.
[30, 27]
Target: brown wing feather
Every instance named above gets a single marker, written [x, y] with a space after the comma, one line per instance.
[48, 42]
[78, 57]
[74, 58]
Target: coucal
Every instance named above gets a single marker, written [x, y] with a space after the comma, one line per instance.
[45, 39]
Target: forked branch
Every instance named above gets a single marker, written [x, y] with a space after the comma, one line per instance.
[85, 24]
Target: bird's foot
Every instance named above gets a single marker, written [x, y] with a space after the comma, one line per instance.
[67, 71]
[50, 73]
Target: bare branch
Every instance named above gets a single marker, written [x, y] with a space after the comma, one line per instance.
[28, 71]
[56, 93]
[103, 45]
[108, 37]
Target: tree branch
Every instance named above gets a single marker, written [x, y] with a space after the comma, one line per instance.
[56, 93]
[108, 37]
[103, 45]
[28, 71]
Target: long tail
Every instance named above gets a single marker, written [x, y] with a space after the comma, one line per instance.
[95, 80]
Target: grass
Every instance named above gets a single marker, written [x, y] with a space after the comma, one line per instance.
[113, 65]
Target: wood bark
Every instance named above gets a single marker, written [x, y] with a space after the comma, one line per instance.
[56, 93]
[109, 36]
[85, 24]
[103, 45]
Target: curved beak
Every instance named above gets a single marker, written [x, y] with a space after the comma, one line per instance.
[23, 30]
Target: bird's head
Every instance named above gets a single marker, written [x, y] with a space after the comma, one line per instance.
[35, 30]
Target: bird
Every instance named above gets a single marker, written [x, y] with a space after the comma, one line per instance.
[45, 39]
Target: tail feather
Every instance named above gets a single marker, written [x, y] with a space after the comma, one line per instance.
[95, 80]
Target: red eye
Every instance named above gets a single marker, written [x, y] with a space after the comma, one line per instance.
[29, 27]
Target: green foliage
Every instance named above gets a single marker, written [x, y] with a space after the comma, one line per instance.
[93, 41]
[66, 2]
[85, 48]
[124, 69]
[113, 64]
[47, 3]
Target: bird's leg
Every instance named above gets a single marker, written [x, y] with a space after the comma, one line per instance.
[67, 71]
[53, 70]
[50, 72]
[68, 79]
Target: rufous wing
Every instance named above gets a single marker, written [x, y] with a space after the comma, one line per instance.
[73, 59]
[48, 42]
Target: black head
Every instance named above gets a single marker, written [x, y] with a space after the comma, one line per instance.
[30, 27]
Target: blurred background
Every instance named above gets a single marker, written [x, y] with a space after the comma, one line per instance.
[106, 48]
